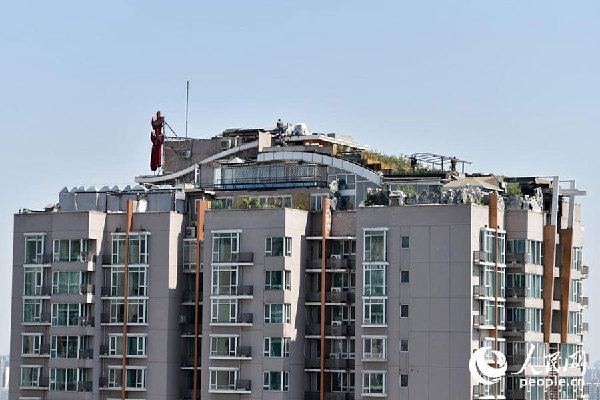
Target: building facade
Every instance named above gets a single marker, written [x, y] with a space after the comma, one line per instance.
[269, 265]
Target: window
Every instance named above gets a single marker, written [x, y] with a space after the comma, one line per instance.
[189, 254]
[345, 181]
[373, 382]
[138, 248]
[276, 347]
[223, 379]
[570, 355]
[278, 313]
[374, 312]
[70, 250]
[135, 377]
[136, 345]
[577, 258]
[136, 311]
[342, 313]
[487, 277]
[34, 249]
[137, 281]
[224, 280]
[375, 245]
[225, 246]
[31, 344]
[486, 309]
[343, 348]
[276, 381]
[534, 319]
[532, 250]
[224, 311]
[223, 346]
[403, 310]
[33, 281]
[278, 280]
[65, 379]
[345, 281]
[32, 310]
[218, 204]
[575, 292]
[375, 280]
[66, 282]
[343, 248]
[278, 246]
[534, 286]
[403, 345]
[30, 376]
[66, 346]
[574, 327]
[487, 244]
[342, 382]
[404, 276]
[316, 202]
[65, 314]
[405, 242]
[374, 348]
[403, 380]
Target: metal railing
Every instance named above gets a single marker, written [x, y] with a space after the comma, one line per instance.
[86, 321]
[87, 288]
[243, 351]
[243, 385]
[86, 353]
[245, 318]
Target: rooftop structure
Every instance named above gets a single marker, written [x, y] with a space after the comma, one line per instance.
[274, 263]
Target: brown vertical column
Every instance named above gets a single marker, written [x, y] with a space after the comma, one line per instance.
[494, 225]
[125, 293]
[548, 292]
[565, 281]
[201, 208]
[326, 227]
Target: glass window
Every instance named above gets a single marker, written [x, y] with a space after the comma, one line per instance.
[224, 311]
[276, 347]
[374, 348]
[488, 246]
[65, 379]
[278, 280]
[275, 381]
[343, 248]
[342, 382]
[136, 311]
[374, 311]
[224, 280]
[375, 280]
[223, 203]
[375, 246]
[405, 242]
[577, 258]
[31, 344]
[65, 346]
[223, 379]
[225, 246]
[66, 282]
[223, 346]
[316, 202]
[32, 310]
[403, 310]
[403, 345]
[138, 248]
[136, 345]
[403, 380]
[278, 246]
[534, 319]
[374, 382]
[66, 250]
[34, 249]
[404, 276]
[135, 377]
[278, 313]
[65, 314]
[189, 254]
[30, 376]
[33, 281]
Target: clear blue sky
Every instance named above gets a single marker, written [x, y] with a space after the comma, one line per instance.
[511, 85]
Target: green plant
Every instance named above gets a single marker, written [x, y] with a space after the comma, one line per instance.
[513, 189]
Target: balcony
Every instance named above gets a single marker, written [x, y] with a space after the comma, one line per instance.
[333, 264]
[328, 396]
[243, 385]
[479, 291]
[243, 351]
[105, 318]
[515, 326]
[479, 320]
[39, 259]
[245, 318]
[103, 350]
[187, 393]
[188, 329]
[87, 289]
[86, 321]
[45, 317]
[45, 349]
[332, 363]
[86, 354]
[514, 292]
[243, 257]
[187, 362]
[103, 382]
[190, 297]
[331, 297]
[106, 259]
[85, 386]
[515, 258]
[516, 394]
[331, 330]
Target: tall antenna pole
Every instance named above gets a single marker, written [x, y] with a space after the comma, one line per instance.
[187, 101]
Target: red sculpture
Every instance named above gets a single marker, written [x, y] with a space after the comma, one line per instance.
[157, 138]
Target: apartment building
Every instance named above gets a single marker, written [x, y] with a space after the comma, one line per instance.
[285, 264]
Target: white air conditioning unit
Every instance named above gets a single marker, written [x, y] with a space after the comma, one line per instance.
[336, 322]
[225, 144]
[190, 231]
[336, 257]
[335, 289]
[334, 356]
